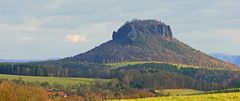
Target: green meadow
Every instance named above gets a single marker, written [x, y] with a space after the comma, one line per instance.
[204, 97]
[65, 81]
[177, 92]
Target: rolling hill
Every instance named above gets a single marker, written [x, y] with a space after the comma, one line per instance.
[147, 40]
[235, 59]
[20, 61]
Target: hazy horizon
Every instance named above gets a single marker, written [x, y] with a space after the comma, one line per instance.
[61, 28]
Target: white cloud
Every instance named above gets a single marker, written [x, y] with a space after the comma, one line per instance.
[54, 4]
[16, 28]
[27, 38]
[144, 14]
[38, 21]
[28, 24]
[213, 40]
[32, 24]
[210, 12]
[75, 38]
[101, 29]
[215, 36]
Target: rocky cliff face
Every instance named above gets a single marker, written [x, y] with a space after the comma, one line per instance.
[130, 31]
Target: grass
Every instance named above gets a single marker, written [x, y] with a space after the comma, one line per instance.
[205, 97]
[122, 64]
[176, 92]
[65, 81]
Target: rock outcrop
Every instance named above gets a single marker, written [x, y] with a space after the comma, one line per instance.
[135, 28]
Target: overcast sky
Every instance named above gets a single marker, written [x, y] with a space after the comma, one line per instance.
[41, 29]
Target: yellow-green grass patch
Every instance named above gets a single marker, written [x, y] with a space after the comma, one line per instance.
[205, 97]
[176, 92]
[65, 81]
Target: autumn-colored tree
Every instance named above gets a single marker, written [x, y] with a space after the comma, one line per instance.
[12, 92]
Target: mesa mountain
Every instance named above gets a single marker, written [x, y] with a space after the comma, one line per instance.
[147, 40]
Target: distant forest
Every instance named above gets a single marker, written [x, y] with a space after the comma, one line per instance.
[140, 76]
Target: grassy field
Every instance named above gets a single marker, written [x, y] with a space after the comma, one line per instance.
[122, 64]
[204, 97]
[175, 92]
[65, 81]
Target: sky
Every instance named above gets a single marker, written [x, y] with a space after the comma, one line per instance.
[42, 29]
